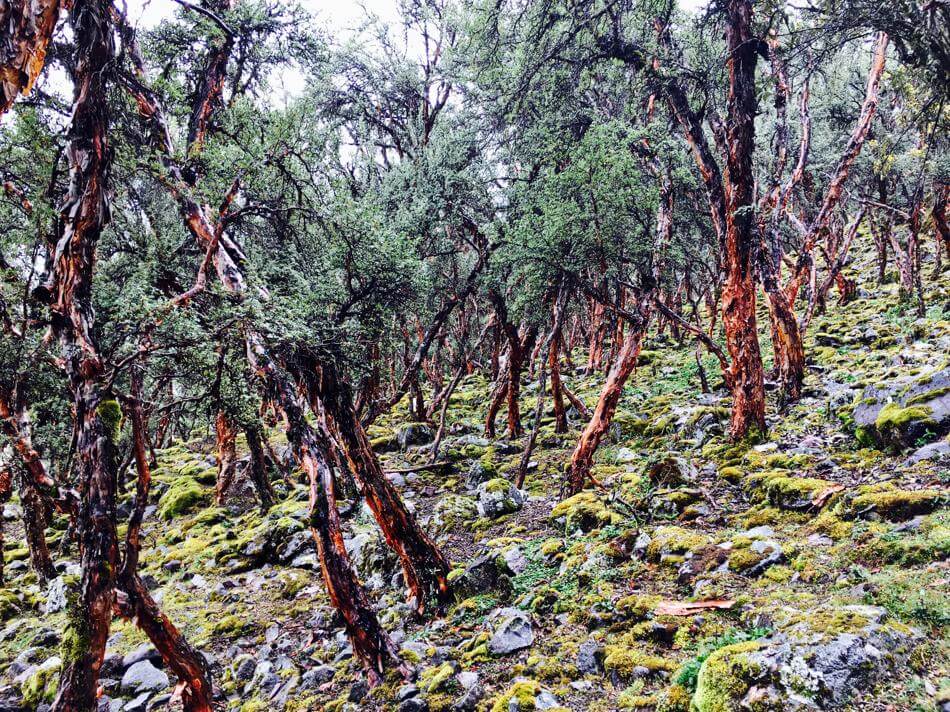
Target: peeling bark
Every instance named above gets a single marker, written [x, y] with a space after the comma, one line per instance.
[27, 28]
[84, 213]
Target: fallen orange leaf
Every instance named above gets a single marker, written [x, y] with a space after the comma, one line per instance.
[688, 608]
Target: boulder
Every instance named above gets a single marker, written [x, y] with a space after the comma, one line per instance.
[56, 596]
[512, 633]
[498, 497]
[409, 434]
[899, 416]
[816, 659]
[143, 677]
[485, 574]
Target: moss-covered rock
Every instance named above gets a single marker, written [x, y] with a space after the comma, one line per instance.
[584, 511]
[183, 496]
[41, 685]
[893, 504]
[725, 678]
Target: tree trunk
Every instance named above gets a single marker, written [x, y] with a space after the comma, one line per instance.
[35, 519]
[424, 566]
[84, 213]
[27, 28]
[6, 490]
[258, 466]
[225, 434]
[135, 603]
[745, 378]
[557, 393]
[582, 460]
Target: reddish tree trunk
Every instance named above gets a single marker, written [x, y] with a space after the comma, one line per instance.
[557, 392]
[133, 600]
[27, 28]
[6, 490]
[84, 213]
[745, 377]
[582, 460]
[424, 566]
[225, 434]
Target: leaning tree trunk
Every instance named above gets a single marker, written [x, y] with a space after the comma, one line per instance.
[133, 600]
[424, 566]
[83, 214]
[578, 471]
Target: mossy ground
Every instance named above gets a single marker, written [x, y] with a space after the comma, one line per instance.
[839, 510]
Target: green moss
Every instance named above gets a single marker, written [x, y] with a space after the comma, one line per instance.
[584, 511]
[518, 698]
[110, 413]
[731, 474]
[673, 699]
[436, 678]
[229, 626]
[928, 396]
[892, 420]
[497, 485]
[743, 559]
[10, 604]
[895, 505]
[674, 540]
[40, 687]
[637, 607]
[725, 677]
[181, 497]
[623, 657]
[76, 639]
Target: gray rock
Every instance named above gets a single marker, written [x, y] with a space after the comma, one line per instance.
[144, 652]
[931, 393]
[55, 596]
[479, 472]
[498, 497]
[512, 633]
[469, 701]
[590, 657]
[802, 666]
[413, 704]
[314, 677]
[515, 559]
[409, 434]
[544, 700]
[405, 692]
[139, 703]
[938, 452]
[144, 677]
[483, 575]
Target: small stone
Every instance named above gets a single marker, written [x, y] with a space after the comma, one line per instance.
[590, 657]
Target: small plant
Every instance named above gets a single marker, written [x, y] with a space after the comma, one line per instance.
[687, 675]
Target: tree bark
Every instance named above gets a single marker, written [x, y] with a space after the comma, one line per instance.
[578, 471]
[424, 566]
[557, 392]
[27, 28]
[84, 214]
[738, 309]
[258, 466]
[225, 435]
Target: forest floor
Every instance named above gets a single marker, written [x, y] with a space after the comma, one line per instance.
[820, 561]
